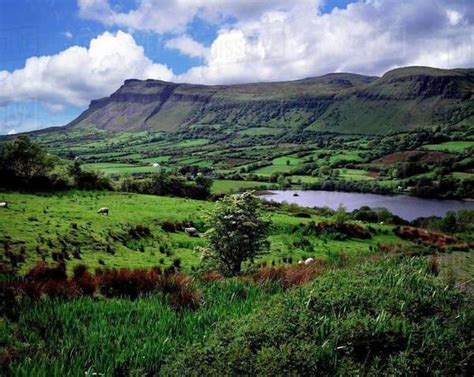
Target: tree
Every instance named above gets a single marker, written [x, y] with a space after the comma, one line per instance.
[24, 158]
[340, 216]
[237, 232]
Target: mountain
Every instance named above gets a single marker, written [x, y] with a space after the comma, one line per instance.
[400, 100]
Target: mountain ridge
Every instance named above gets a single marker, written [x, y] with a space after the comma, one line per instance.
[400, 100]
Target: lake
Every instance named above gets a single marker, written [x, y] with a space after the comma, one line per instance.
[407, 207]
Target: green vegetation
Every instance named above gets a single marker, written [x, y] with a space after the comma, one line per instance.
[136, 270]
[382, 318]
[67, 221]
[451, 146]
[386, 318]
[237, 233]
[309, 161]
[227, 186]
[118, 335]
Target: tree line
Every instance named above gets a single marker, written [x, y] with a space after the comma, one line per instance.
[26, 166]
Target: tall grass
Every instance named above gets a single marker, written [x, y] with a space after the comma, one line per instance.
[119, 336]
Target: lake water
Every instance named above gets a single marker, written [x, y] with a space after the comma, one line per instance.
[407, 207]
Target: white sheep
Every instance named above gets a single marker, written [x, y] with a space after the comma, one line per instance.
[192, 232]
[103, 210]
[4, 204]
[308, 261]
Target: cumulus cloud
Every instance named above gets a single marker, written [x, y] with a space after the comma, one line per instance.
[78, 74]
[188, 46]
[163, 16]
[368, 37]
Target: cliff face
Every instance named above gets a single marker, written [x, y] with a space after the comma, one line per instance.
[399, 100]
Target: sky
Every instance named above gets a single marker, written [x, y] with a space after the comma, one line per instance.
[58, 55]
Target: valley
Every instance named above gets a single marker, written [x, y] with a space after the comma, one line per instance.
[335, 132]
[133, 243]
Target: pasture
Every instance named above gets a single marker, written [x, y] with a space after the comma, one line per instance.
[451, 146]
[47, 223]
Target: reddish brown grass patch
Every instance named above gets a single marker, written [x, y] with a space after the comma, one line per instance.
[289, 276]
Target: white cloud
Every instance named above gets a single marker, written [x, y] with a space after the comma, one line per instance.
[78, 74]
[163, 16]
[368, 37]
[67, 34]
[12, 132]
[188, 46]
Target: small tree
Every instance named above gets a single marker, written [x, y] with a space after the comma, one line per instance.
[341, 216]
[237, 232]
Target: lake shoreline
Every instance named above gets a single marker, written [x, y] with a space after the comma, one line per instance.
[406, 206]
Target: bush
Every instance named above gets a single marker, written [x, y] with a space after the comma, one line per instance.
[237, 233]
[170, 226]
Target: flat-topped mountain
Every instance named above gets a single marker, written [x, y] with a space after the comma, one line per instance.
[401, 99]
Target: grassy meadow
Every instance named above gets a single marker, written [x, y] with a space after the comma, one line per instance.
[48, 223]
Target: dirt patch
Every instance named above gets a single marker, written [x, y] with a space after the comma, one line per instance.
[233, 162]
[419, 156]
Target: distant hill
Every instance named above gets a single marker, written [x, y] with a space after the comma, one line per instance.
[400, 100]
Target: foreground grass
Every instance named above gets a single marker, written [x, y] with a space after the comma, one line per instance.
[117, 336]
[385, 318]
[390, 317]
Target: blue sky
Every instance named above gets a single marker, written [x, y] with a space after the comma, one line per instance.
[56, 56]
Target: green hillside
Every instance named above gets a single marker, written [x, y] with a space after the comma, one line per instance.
[400, 100]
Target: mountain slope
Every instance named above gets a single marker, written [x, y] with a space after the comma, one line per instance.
[400, 100]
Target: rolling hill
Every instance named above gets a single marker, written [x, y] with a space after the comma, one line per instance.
[400, 100]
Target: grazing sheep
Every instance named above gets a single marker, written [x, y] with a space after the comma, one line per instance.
[308, 261]
[4, 204]
[103, 210]
[192, 232]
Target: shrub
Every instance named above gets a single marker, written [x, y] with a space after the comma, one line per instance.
[211, 276]
[177, 263]
[237, 233]
[85, 281]
[170, 226]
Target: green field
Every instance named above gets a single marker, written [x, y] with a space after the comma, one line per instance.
[354, 174]
[259, 131]
[115, 168]
[226, 186]
[43, 223]
[192, 143]
[303, 179]
[280, 165]
[451, 146]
